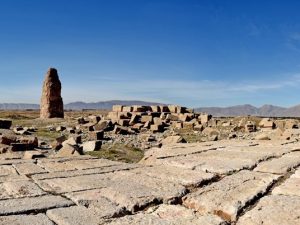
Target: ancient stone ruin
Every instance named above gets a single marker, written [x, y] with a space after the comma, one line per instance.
[51, 101]
[157, 118]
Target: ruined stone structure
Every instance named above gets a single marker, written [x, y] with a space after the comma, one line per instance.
[51, 101]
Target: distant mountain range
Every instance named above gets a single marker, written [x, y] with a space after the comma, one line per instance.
[242, 110]
[77, 105]
[239, 110]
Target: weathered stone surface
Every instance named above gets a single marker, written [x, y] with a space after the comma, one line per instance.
[90, 146]
[176, 175]
[25, 205]
[56, 166]
[8, 138]
[127, 189]
[219, 161]
[173, 140]
[77, 164]
[70, 184]
[17, 189]
[280, 165]
[7, 170]
[68, 151]
[14, 178]
[33, 155]
[67, 173]
[5, 124]
[133, 190]
[78, 215]
[290, 187]
[174, 150]
[51, 101]
[274, 209]
[29, 169]
[93, 200]
[227, 197]
[103, 191]
[168, 215]
[39, 219]
[263, 136]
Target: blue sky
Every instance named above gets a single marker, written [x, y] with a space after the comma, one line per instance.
[189, 52]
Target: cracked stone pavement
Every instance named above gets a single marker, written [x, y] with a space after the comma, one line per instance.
[212, 183]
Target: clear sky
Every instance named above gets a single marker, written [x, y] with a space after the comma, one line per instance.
[189, 52]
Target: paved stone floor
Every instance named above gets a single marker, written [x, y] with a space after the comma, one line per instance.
[214, 183]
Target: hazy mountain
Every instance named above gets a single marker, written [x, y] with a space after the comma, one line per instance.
[77, 105]
[19, 106]
[240, 110]
[105, 104]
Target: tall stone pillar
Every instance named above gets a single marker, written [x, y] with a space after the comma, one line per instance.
[51, 101]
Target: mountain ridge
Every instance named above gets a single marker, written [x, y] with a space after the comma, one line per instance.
[78, 105]
[242, 110]
[237, 110]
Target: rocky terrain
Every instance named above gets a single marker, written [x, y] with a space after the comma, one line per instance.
[164, 165]
[139, 164]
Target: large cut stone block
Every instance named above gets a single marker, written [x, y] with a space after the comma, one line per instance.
[39, 219]
[280, 165]
[25, 205]
[273, 210]
[229, 196]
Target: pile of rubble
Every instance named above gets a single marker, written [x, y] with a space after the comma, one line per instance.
[136, 119]
[16, 140]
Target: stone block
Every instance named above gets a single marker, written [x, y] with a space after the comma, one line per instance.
[145, 119]
[5, 124]
[127, 109]
[96, 135]
[157, 121]
[156, 128]
[271, 210]
[227, 197]
[155, 108]
[123, 122]
[117, 108]
[90, 146]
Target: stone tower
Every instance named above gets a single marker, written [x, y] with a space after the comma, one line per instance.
[51, 101]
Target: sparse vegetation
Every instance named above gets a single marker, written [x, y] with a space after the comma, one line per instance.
[119, 152]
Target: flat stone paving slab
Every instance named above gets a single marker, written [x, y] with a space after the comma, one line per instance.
[14, 177]
[39, 219]
[289, 187]
[132, 191]
[229, 196]
[221, 161]
[7, 170]
[274, 210]
[168, 215]
[176, 175]
[280, 165]
[93, 199]
[29, 169]
[77, 183]
[16, 161]
[215, 182]
[32, 204]
[77, 164]
[74, 173]
[209, 164]
[18, 189]
[75, 215]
